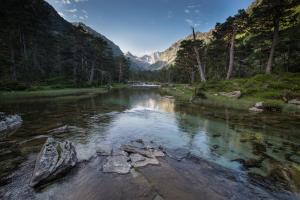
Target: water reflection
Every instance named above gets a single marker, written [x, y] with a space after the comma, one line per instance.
[115, 118]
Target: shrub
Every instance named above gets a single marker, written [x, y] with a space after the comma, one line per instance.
[12, 86]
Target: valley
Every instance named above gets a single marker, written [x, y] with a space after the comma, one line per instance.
[213, 114]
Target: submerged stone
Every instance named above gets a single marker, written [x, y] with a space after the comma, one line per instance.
[104, 150]
[9, 122]
[55, 159]
[178, 154]
[66, 129]
[250, 163]
[117, 164]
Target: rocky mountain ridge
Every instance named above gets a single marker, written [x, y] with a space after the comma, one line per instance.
[115, 48]
[159, 60]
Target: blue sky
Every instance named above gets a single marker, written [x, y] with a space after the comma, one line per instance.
[145, 26]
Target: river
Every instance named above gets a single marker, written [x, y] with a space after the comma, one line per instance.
[224, 137]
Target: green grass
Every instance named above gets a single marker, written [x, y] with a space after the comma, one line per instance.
[270, 89]
[180, 91]
[47, 92]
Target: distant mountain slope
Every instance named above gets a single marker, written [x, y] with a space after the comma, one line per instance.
[38, 45]
[159, 60]
[143, 62]
[169, 55]
[115, 49]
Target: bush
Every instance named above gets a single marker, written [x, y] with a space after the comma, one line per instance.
[13, 86]
[273, 105]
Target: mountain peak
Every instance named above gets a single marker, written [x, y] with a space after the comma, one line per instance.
[115, 49]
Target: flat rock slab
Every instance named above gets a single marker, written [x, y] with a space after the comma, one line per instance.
[121, 160]
[133, 149]
[138, 160]
[117, 164]
[178, 154]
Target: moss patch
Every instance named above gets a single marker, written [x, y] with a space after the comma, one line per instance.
[272, 90]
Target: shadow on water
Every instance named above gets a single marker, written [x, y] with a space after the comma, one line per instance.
[240, 141]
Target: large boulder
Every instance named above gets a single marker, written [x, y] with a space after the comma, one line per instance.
[9, 122]
[54, 160]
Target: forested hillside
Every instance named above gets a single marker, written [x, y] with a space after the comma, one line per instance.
[265, 38]
[37, 46]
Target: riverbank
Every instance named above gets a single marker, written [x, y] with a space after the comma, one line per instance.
[57, 94]
[192, 177]
[216, 149]
[273, 90]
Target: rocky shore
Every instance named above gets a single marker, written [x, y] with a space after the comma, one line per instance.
[137, 170]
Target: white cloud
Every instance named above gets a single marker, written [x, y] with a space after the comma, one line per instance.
[69, 1]
[72, 10]
[187, 11]
[77, 1]
[65, 1]
[191, 23]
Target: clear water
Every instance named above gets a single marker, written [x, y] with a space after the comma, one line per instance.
[218, 135]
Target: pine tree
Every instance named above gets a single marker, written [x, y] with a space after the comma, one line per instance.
[268, 15]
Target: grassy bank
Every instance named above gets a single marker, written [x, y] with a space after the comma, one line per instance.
[46, 93]
[273, 90]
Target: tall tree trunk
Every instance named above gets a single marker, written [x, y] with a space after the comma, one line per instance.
[169, 76]
[200, 68]
[231, 56]
[120, 72]
[199, 65]
[91, 79]
[192, 77]
[13, 64]
[75, 74]
[23, 43]
[274, 43]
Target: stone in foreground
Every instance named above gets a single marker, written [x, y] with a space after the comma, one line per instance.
[117, 164]
[55, 159]
[133, 149]
[9, 122]
[138, 160]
